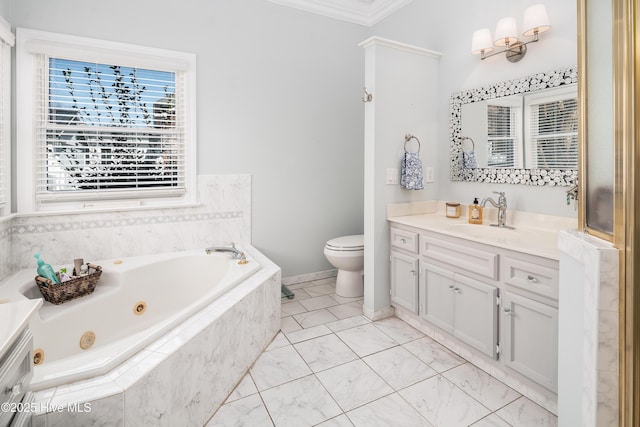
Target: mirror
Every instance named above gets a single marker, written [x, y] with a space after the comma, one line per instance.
[522, 131]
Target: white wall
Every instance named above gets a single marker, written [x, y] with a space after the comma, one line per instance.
[447, 27]
[278, 98]
[403, 80]
[5, 9]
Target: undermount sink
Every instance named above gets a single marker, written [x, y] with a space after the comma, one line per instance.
[482, 228]
[502, 234]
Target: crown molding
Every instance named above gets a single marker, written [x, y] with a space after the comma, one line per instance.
[379, 41]
[362, 12]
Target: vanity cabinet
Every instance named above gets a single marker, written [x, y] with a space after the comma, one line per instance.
[464, 307]
[476, 314]
[16, 362]
[437, 297]
[529, 317]
[501, 302]
[530, 339]
[15, 374]
[404, 269]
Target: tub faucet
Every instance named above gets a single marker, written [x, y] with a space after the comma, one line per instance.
[235, 253]
[502, 208]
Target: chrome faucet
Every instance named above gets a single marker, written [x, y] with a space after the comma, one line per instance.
[235, 253]
[501, 204]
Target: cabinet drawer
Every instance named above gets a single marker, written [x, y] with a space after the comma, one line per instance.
[471, 259]
[403, 239]
[15, 373]
[525, 275]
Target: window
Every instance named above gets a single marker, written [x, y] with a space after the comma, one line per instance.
[109, 124]
[6, 42]
[504, 133]
[552, 129]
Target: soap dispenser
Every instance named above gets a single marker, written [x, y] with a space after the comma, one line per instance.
[45, 270]
[475, 212]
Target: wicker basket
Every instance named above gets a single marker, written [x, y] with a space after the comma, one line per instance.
[71, 289]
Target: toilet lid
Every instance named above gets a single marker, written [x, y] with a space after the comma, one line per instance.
[347, 243]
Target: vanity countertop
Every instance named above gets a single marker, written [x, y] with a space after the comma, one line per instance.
[534, 234]
[14, 317]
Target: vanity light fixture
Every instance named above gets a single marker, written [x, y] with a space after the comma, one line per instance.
[535, 21]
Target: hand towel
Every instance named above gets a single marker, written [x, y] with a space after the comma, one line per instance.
[411, 176]
[469, 159]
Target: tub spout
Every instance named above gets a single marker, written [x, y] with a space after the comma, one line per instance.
[235, 253]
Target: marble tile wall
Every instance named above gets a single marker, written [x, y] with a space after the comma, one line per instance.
[599, 260]
[223, 215]
[185, 376]
[5, 247]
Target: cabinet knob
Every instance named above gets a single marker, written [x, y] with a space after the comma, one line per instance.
[403, 241]
[452, 288]
[457, 290]
[507, 311]
[15, 390]
[532, 279]
[412, 272]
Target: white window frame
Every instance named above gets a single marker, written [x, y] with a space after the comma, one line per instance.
[29, 44]
[514, 103]
[7, 40]
[559, 93]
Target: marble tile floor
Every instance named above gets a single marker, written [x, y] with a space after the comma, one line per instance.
[331, 366]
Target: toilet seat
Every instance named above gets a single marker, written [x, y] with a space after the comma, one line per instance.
[346, 243]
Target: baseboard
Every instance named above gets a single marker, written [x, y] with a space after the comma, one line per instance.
[308, 277]
[374, 315]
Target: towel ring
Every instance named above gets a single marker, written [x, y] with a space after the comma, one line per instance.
[473, 144]
[408, 137]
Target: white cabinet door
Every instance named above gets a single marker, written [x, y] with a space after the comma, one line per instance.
[476, 314]
[404, 281]
[437, 296]
[530, 339]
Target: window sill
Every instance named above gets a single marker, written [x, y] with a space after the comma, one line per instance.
[106, 209]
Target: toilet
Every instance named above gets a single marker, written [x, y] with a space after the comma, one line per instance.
[346, 253]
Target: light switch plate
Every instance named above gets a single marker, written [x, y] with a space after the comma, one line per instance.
[428, 175]
[392, 176]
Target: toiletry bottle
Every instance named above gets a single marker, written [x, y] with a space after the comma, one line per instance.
[77, 266]
[475, 212]
[63, 275]
[45, 270]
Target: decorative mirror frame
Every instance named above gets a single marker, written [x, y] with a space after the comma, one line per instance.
[539, 81]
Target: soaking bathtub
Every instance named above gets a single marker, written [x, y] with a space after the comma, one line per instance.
[200, 322]
[136, 302]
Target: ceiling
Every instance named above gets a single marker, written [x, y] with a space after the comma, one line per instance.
[363, 12]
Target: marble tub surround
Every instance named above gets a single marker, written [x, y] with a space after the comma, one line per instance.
[341, 369]
[222, 215]
[5, 247]
[534, 233]
[589, 303]
[182, 378]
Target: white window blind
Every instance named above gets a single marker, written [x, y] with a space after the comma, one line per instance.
[6, 42]
[103, 124]
[503, 136]
[552, 133]
[105, 131]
